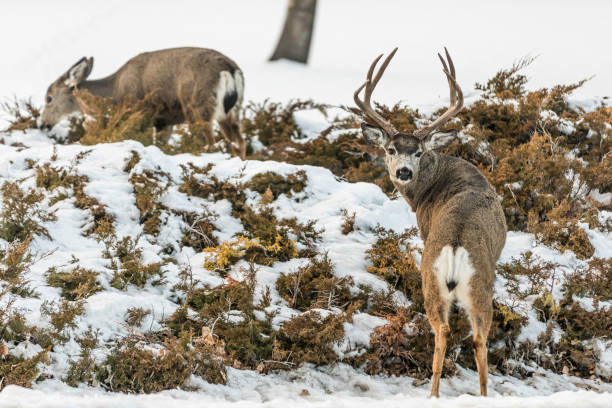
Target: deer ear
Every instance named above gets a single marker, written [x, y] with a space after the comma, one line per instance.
[374, 135]
[439, 140]
[78, 72]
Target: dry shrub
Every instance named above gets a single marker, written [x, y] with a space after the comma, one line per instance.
[277, 184]
[507, 83]
[199, 230]
[532, 180]
[566, 356]
[50, 178]
[101, 225]
[23, 114]
[197, 182]
[393, 259]
[130, 119]
[20, 371]
[539, 274]
[594, 281]
[503, 345]
[191, 139]
[127, 264]
[265, 239]
[83, 370]
[131, 367]
[80, 283]
[347, 155]
[397, 352]
[62, 317]
[309, 338]
[315, 286]
[561, 231]
[228, 312]
[579, 324]
[272, 123]
[22, 213]
[348, 225]
[148, 188]
[275, 237]
[136, 315]
[131, 161]
[15, 261]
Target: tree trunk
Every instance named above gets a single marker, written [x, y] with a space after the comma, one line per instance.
[294, 43]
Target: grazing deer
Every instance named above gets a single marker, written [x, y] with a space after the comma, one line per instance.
[181, 84]
[458, 213]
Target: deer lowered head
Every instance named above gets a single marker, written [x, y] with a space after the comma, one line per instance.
[59, 99]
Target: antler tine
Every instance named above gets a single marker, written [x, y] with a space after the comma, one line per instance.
[365, 105]
[383, 67]
[456, 98]
[450, 83]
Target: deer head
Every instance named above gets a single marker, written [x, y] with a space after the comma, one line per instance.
[60, 99]
[403, 151]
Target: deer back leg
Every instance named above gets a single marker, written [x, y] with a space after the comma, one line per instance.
[481, 324]
[437, 314]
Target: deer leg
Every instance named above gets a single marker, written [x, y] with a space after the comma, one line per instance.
[199, 116]
[442, 333]
[481, 323]
[438, 319]
[231, 132]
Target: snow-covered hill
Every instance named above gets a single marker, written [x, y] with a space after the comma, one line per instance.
[67, 244]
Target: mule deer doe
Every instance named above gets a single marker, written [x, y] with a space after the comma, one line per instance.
[458, 213]
[181, 84]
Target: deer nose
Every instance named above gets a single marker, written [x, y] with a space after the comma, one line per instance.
[404, 174]
[45, 126]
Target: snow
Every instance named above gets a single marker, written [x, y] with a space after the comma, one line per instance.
[336, 387]
[51, 36]
[322, 200]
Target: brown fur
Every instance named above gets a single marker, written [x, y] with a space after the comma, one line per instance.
[180, 82]
[459, 215]
[456, 206]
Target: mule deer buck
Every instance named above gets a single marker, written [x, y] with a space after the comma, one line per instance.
[458, 213]
[180, 84]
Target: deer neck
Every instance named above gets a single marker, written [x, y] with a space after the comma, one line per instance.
[427, 189]
[100, 87]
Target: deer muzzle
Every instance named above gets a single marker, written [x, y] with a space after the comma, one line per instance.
[403, 174]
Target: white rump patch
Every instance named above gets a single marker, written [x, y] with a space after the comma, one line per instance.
[227, 84]
[454, 267]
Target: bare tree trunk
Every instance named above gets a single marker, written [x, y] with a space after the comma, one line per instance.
[294, 43]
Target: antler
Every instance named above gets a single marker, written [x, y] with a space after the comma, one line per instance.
[456, 99]
[369, 85]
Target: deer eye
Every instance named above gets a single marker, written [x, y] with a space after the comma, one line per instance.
[391, 151]
[419, 154]
[49, 99]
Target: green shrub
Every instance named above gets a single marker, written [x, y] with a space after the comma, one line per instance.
[393, 259]
[22, 213]
[128, 266]
[134, 369]
[309, 338]
[77, 284]
[315, 286]
[22, 114]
